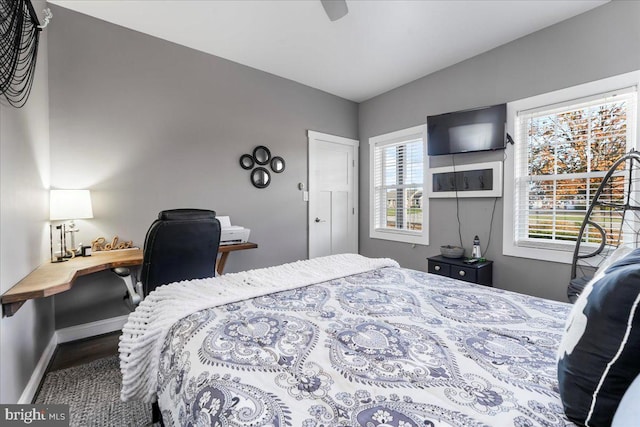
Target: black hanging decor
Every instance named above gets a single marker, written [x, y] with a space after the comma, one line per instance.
[19, 35]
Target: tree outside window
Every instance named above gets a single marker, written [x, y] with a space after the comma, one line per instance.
[569, 150]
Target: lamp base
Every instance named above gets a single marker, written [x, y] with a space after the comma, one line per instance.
[57, 256]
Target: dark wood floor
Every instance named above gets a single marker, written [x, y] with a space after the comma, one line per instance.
[83, 351]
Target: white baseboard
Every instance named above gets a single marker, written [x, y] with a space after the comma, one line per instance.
[60, 336]
[29, 391]
[91, 329]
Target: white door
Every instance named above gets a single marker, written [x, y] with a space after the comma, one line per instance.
[333, 195]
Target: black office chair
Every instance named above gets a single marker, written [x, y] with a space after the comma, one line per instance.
[182, 244]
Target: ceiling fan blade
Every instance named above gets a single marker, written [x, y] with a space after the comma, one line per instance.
[335, 9]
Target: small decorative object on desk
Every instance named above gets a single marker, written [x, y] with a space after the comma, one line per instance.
[100, 244]
[57, 255]
[449, 251]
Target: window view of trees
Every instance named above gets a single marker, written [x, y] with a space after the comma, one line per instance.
[569, 152]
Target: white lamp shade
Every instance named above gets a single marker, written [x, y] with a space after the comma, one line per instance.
[70, 204]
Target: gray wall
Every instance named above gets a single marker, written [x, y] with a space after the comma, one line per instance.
[149, 125]
[597, 44]
[24, 237]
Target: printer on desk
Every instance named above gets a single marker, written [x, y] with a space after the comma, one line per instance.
[232, 234]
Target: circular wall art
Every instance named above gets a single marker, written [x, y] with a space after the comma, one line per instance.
[260, 176]
[277, 164]
[246, 161]
[261, 155]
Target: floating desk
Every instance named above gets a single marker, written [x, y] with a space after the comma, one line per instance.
[224, 250]
[54, 278]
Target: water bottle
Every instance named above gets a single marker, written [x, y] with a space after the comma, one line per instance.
[475, 253]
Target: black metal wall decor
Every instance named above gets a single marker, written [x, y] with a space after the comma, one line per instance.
[246, 161]
[19, 36]
[277, 164]
[260, 176]
[262, 155]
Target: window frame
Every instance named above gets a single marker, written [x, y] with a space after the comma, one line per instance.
[392, 138]
[553, 251]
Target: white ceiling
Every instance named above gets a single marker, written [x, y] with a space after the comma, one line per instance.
[379, 45]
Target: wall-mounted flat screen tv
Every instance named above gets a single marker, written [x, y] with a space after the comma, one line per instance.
[480, 129]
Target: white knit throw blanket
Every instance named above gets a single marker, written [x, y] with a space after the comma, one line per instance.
[146, 328]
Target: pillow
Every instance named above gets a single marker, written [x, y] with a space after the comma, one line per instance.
[620, 252]
[599, 354]
[628, 411]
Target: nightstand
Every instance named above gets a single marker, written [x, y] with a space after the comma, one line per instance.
[480, 273]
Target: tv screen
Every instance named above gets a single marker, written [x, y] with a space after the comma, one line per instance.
[480, 129]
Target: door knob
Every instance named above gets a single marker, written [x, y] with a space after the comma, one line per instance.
[319, 220]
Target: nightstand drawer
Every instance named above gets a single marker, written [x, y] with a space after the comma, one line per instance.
[463, 273]
[439, 268]
[480, 272]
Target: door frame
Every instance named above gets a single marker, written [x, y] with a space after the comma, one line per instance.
[314, 139]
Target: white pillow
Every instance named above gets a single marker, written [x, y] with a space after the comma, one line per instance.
[628, 412]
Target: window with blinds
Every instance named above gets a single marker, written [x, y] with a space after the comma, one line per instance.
[562, 153]
[398, 203]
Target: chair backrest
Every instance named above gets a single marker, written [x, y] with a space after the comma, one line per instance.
[182, 244]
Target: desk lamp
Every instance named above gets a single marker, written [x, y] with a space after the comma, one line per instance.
[68, 205]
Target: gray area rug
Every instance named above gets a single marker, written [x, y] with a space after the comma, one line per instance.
[92, 392]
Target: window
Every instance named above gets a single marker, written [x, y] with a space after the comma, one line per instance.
[398, 205]
[562, 152]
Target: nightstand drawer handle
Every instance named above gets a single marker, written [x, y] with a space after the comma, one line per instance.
[436, 268]
[461, 273]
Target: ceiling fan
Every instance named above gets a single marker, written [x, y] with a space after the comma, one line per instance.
[335, 9]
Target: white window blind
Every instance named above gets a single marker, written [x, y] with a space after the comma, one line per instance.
[562, 153]
[398, 202]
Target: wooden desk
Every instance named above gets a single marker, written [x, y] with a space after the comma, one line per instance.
[224, 250]
[54, 278]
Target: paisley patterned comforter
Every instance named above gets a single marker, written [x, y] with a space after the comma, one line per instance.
[391, 347]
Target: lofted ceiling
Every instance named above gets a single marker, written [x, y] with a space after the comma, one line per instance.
[377, 46]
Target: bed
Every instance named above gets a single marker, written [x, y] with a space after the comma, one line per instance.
[344, 341]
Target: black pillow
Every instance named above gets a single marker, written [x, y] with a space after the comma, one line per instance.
[599, 355]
